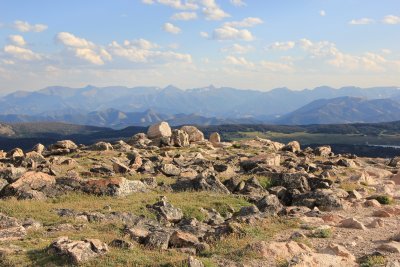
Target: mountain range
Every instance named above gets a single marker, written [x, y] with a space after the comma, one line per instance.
[119, 107]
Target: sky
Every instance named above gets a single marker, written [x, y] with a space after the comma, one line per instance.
[248, 44]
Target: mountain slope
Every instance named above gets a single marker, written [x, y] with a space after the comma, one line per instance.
[343, 110]
[221, 102]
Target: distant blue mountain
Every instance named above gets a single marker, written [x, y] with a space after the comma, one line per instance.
[119, 106]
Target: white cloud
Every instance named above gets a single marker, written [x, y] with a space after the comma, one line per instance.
[68, 39]
[231, 33]
[83, 48]
[171, 28]
[276, 66]
[245, 23]
[331, 55]
[212, 11]
[142, 44]
[177, 4]
[362, 21]
[204, 35]
[239, 61]
[21, 53]
[282, 46]
[237, 49]
[184, 16]
[89, 55]
[238, 3]
[17, 40]
[322, 13]
[24, 26]
[137, 53]
[391, 19]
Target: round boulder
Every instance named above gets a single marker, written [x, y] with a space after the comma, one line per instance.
[195, 135]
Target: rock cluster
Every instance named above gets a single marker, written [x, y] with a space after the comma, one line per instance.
[318, 188]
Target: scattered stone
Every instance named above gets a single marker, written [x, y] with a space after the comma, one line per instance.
[10, 228]
[270, 204]
[15, 153]
[167, 211]
[323, 151]
[158, 240]
[293, 146]
[352, 223]
[170, 170]
[118, 186]
[122, 244]
[338, 250]
[30, 185]
[78, 251]
[101, 146]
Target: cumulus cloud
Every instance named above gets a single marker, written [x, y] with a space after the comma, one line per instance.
[276, 66]
[238, 3]
[281, 46]
[239, 61]
[231, 33]
[237, 49]
[263, 65]
[17, 40]
[245, 23]
[328, 52]
[391, 19]
[68, 39]
[212, 11]
[362, 21]
[177, 4]
[24, 26]
[83, 48]
[21, 53]
[184, 16]
[171, 28]
[138, 53]
[142, 44]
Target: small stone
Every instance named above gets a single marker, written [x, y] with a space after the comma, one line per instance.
[352, 223]
[120, 243]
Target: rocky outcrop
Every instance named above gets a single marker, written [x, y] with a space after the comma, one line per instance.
[31, 185]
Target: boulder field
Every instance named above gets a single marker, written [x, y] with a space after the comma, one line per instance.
[172, 196]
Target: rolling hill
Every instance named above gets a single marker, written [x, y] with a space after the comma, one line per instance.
[343, 110]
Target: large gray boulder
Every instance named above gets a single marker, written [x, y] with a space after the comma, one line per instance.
[159, 130]
[195, 135]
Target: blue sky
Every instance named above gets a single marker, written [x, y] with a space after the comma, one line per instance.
[250, 44]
